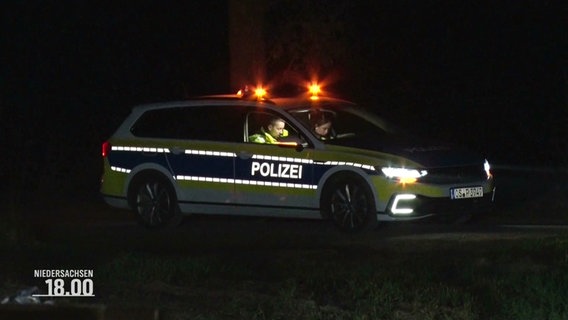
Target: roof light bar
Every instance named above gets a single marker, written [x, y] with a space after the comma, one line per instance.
[258, 93]
[314, 89]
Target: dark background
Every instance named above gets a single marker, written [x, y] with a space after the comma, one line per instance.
[490, 75]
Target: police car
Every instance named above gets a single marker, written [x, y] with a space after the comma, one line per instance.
[196, 156]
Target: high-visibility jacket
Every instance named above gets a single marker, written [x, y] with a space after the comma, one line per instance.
[265, 137]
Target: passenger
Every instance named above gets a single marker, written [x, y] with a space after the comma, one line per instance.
[274, 131]
[321, 125]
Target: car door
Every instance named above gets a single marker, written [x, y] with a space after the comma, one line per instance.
[202, 159]
[275, 177]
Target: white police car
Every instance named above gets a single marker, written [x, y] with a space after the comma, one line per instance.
[194, 156]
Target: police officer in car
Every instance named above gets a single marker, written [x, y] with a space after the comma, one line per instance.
[273, 131]
[321, 125]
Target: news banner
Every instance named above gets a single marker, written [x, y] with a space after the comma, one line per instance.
[66, 282]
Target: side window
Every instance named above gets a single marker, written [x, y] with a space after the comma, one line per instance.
[256, 121]
[159, 123]
[357, 125]
[259, 123]
[215, 123]
[320, 122]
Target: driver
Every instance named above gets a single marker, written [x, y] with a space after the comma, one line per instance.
[273, 131]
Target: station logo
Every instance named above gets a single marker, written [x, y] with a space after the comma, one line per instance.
[66, 282]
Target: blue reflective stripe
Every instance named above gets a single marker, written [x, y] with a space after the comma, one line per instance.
[275, 170]
[119, 169]
[220, 166]
[202, 165]
[140, 149]
[351, 164]
[247, 182]
[124, 161]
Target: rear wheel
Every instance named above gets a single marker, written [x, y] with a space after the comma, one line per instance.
[155, 203]
[349, 203]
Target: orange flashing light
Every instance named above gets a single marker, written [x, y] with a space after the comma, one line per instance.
[244, 92]
[314, 90]
[260, 93]
[247, 92]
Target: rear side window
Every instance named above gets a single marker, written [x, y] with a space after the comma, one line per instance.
[215, 123]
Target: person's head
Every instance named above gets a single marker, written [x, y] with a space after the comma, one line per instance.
[276, 127]
[321, 125]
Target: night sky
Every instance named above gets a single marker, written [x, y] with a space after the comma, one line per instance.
[491, 75]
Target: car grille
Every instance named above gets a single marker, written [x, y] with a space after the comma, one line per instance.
[452, 175]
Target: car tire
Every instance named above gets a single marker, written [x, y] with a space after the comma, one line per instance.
[155, 203]
[349, 203]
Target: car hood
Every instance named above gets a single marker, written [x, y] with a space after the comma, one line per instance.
[426, 152]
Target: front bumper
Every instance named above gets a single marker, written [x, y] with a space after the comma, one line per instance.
[417, 207]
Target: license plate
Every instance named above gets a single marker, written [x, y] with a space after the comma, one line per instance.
[465, 193]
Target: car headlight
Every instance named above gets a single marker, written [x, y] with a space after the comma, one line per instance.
[487, 168]
[403, 175]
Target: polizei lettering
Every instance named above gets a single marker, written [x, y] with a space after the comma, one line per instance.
[277, 170]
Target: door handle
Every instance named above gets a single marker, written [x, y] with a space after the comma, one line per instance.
[245, 155]
[176, 150]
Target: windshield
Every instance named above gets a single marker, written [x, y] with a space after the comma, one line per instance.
[340, 124]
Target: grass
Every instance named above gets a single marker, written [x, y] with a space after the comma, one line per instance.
[402, 279]
[510, 281]
[287, 274]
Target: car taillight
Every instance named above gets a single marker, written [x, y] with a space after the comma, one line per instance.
[105, 149]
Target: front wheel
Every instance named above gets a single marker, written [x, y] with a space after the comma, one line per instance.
[155, 203]
[349, 203]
